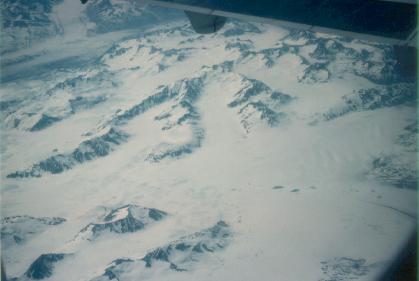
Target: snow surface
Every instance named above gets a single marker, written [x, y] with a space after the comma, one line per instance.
[303, 145]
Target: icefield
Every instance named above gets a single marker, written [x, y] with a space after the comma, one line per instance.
[133, 148]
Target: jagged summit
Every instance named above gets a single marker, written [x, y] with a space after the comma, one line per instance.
[88, 150]
[394, 170]
[179, 255]
[256, 101]
[128, 218]
[373, 99]
[203, 126]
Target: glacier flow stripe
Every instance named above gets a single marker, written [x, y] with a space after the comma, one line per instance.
[392, 22]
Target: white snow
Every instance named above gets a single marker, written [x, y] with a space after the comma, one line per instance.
[328, 206]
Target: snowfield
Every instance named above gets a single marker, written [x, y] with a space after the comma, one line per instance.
[133, 148]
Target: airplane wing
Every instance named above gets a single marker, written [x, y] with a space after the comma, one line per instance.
[387, 21]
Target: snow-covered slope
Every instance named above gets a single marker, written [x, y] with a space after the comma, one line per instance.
[110, 15]
[155, 153]
[26, 23]
[179, 255]
[19, 229]
[129, 218]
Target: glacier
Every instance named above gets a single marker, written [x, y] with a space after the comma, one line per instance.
[133, 148]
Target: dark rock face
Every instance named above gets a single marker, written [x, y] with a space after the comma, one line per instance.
[409, 137]
[20, 13]
[315, 73]
[27, 20]
[189, 248]
[237, 28]
[224, 67]
[272, 118]
[8, 105]
[327, 49]
[179, 255]
[163, 58]
[43, 266]
[113, 271]
[397, 170]
[18, 229]
[82, 103]
[184, 94]
[342, 269]
[361, 62]
[86, 82]
[35, 113]
[99, 146]
[390, 96]
[269, 55]
[160, 97]
[258, 99]
[374, 98]
[109, 16]
[44, 122]
[164, 151]
[378, 66]
[240, 45]
[128, 218]
[88, 150]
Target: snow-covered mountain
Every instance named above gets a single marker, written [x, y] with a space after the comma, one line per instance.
[179, 255]
[17, 230]
[110, 15]
[129, 218]
[27, 22]
[43, 266]
[133, 148]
